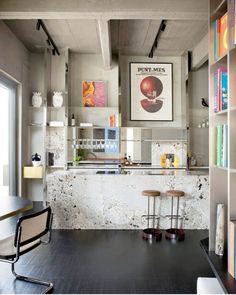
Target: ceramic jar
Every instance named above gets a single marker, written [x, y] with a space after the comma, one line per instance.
[36, 160]
[57, 99]
[37, 99]
[220, 230]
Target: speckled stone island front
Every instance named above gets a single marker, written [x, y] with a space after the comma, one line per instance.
[115, 201]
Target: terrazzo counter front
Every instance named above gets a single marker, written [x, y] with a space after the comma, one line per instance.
[96, 201]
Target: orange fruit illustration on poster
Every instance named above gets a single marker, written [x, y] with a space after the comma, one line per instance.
[151, 87]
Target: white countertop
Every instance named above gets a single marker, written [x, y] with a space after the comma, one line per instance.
[131, 172]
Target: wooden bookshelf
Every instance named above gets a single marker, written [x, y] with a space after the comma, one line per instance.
[219, 266]
[222, 180]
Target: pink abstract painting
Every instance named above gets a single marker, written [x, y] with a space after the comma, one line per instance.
[94, 93]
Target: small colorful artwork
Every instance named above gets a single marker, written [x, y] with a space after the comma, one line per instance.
[94, 93]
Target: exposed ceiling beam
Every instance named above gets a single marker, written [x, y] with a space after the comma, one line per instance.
[104, 9]
[105, 41]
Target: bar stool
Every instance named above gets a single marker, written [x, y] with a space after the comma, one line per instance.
[175, 233]
[152, 232]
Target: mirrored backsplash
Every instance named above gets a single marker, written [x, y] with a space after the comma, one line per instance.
[175, 153]
[141, 145]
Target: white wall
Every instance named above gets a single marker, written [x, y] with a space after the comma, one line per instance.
[179, 93]
[14, 60]
[199, 137]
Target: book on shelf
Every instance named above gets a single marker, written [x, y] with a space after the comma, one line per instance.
[218, 145]
[220, 44]
[223, 90]
[113, 120]
[222, 146]
[212, 138]
[235, 22]
[225, 146]
[220, 90]
[232, 245]
[216, 33]
[223, 35]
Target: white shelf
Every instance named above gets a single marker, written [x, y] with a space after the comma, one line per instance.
[36, 125]
[88, 108]
[54, 148]
[158, 140]
[221, 168]
[220, 113]
[48, 126]
[219, 61]
[219, 9]
[56, 108]
[56, 167]
[91, 127]
[37, 108]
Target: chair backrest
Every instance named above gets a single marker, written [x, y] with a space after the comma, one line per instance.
[33, 226]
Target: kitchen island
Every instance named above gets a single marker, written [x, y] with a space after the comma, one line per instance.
[81, 199]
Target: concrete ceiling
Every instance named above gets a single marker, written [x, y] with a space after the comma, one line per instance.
[128, 37]
[104, 9]
[135, 37]
[78, 35]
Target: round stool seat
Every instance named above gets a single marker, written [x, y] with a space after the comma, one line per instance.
[151, 193]
[175, 193]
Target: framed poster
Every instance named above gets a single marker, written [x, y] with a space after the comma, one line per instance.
[94, 94]
[151, 91]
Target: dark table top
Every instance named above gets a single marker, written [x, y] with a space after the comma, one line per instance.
[10, 206]
[219, 265]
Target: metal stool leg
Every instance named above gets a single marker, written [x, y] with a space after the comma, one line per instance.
[177, 214]
[154, 213]
[172, 208]
[174, 233]
[150, 233]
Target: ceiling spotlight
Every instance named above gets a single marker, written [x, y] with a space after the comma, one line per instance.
[48, 41]
[38, 24]
[150, 55]
[163, 27]
[156, 40]
[155, 43]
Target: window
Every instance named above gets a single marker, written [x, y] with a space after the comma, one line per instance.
[8, 137]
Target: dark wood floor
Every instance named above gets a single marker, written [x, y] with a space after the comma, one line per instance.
[100, 261]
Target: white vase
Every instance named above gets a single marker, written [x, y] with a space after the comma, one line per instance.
[57, 99]
[37, 99]
[220, 229]
[36, 163]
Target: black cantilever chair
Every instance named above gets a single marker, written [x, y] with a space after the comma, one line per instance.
[28, 235]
